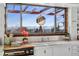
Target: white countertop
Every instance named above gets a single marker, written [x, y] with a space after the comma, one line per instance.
[56, 43]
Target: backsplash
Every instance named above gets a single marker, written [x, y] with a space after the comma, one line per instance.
[33, 39]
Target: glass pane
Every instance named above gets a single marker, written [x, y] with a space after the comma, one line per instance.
[29, 21]
[13, 22]
[16, 7]
[35, 8]
[60, 21]
[10, 6]
[13, 7]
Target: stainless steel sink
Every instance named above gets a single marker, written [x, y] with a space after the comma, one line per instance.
[39, 44]
[44, 43]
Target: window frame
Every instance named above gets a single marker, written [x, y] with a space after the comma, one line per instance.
[49, 34]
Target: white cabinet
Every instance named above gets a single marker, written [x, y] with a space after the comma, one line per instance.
[75, 50]
[43, 51]
[61, 50]
[39, 51]
[57, 50]
[49, 51]
[2, 20]
[54, 50]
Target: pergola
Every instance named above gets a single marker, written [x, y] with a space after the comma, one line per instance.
[33, 11]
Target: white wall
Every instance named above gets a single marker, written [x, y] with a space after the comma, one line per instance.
[72, 22]
[2, 11]
[2, 14]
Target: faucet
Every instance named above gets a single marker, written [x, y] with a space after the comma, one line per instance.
[42, 39]
[45, 39]
[48, 39]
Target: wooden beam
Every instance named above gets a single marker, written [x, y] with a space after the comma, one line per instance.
[34, 12]
[28, 12]
[51, 14]
[55, 13]
[25, 8]
[59, 11]
[44, 9]
[36, 5]
[13, 11]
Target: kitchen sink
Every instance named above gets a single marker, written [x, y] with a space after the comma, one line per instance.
[39, 44]
[48, 43]
[43, 43]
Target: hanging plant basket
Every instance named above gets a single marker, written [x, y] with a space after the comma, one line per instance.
[40, 20]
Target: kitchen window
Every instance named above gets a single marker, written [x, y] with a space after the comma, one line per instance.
[28, 16]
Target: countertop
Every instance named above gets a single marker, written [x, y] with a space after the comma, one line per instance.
[56, 43]
[8, 47]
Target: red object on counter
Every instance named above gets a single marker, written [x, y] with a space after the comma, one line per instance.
[24, 32]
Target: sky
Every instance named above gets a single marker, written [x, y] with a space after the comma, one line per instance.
[30, 19]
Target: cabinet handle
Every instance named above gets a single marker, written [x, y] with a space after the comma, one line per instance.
[45, 51]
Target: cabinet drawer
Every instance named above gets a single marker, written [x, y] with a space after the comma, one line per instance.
[75, 51]
[75, 47]
[75, 54]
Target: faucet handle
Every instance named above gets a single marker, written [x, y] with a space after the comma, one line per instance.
[42, 39]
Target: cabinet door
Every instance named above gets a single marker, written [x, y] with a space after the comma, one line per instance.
[61, 50]
[49, 50]
[75, 50]
[40, 51]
